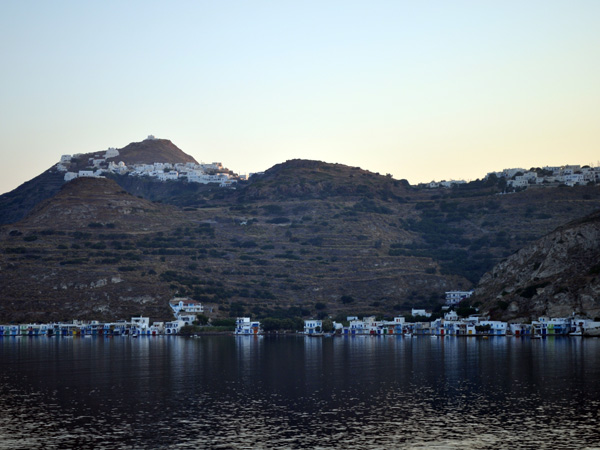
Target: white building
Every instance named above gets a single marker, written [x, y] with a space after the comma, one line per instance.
[173, 327]
[509, 173]
[451, 316]
[157, 328]
[455, 297]
[420, 312]
[182, 306]
[313, 326]
[497, 328]
[521, 182]
[140, 325]
[111, 152]
[164, 176]
[573, 179]
[246, 326]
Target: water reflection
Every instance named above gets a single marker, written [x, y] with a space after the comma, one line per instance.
[296, 392]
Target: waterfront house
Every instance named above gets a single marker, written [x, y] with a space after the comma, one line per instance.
[496, 327]
[519, 329]
[157, 328]
[173, 327]
[246, 326]
[140, 325]
[313, 326]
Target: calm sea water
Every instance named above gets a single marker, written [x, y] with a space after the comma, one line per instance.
[227, 392]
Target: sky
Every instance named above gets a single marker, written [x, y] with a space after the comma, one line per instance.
[423, 90]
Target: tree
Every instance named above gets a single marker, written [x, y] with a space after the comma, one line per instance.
[270, 324]
[327, 326]
[201, 319]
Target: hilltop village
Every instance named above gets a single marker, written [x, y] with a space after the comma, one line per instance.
[519, 179]
[106, 162]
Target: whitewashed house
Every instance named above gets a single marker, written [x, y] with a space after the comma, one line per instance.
[518, 183]
[451, 316]
[111, 153]
[420, 312]
[313, 326]
[509, 173]
[157, 328]
[181, 306]
[574, 179]
[247, 327]
[164, 176]
[140, 325]
[188, 319]
[173, 327]
[497, 328]
[455, 297]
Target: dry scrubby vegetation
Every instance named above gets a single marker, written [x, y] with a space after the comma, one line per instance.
[305, 239]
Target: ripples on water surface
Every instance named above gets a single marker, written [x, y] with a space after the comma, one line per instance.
[244, 392]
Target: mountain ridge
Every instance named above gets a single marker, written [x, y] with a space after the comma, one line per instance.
[306, 236]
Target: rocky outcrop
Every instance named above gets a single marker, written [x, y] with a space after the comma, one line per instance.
[558, 275]
[151, 151]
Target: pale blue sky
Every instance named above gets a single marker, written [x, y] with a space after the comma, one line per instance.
[422, 90]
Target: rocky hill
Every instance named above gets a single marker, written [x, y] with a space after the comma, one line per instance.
[557, 275]
[16, 204]
[151, 151]
[304, 179]
[306, 238]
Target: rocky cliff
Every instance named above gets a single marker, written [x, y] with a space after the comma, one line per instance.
[558, 275]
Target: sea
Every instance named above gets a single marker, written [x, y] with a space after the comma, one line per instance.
[296, 392]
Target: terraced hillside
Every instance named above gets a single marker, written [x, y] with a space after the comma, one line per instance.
[305, 239]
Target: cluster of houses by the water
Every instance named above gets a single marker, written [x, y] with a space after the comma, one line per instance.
[570, 175]
[106, 162]
[452, 325]
[186, 312]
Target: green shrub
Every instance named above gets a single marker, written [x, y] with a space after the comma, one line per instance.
[223, 323]
[347, 299]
